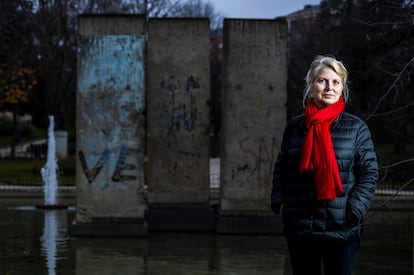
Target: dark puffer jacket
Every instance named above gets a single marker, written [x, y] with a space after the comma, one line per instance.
[329, 220]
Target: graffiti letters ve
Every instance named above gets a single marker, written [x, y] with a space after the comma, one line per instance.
[121, 165]
[92, 173]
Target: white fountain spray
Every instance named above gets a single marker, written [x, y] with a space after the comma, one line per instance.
[48, 172]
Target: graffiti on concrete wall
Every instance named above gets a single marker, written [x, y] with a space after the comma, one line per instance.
[121, 168]
[92, 173]
[178, 130]
[258, 165]
[122, 165]
[180, 104]
[111, 103]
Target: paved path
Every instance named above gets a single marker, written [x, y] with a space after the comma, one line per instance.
[21, 150]
[33, 189]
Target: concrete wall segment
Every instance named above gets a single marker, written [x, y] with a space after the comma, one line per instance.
[178, 112]
[110, 126]
[253, 112]
[107, 24]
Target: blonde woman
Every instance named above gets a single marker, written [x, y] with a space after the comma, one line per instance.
[325, 175]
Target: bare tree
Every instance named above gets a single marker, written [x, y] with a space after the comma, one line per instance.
[199, 8]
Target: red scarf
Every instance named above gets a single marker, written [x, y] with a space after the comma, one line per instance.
[317, 152]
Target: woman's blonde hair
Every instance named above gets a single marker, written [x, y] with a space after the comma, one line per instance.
[318, 63]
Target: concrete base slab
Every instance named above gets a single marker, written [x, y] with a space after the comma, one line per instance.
[248, 224]
[112, 230]
[181, 219]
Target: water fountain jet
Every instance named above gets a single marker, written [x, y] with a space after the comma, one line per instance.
[49, 173]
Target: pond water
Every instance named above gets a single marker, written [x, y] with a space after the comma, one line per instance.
[37, 242]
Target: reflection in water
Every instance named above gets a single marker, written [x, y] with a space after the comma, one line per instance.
[182, 253]
[387, 248]
[54, 237]
[387, 244]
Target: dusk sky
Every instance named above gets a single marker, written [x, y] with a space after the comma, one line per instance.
[266, 9]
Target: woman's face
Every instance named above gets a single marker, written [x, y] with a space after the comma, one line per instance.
[327, 88]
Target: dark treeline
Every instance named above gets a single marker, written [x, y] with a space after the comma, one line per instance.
[374, 39]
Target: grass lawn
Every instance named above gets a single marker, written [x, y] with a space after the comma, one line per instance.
[27, 171]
